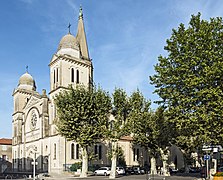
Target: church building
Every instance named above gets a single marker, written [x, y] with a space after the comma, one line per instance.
[34, 132]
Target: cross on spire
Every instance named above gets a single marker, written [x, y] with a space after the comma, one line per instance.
[27, 69]
[80, 13]
[69, 27]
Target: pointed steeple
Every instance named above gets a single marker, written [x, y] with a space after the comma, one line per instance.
[81, 36]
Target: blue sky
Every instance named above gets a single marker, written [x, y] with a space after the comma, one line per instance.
[125, 37]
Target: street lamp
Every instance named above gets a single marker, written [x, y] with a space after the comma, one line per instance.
[34, 163]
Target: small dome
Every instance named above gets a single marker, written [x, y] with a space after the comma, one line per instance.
[68, 41]
[26, 81]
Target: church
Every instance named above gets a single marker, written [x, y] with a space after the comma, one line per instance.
[35, 138]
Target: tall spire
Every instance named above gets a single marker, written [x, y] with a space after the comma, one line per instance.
[81, 36]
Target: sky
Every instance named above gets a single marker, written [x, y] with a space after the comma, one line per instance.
[125, 38]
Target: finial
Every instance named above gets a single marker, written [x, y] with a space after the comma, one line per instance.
[69, 27]
[27, 69]
[80, 13]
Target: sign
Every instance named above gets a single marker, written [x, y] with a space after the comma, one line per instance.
[207, 157]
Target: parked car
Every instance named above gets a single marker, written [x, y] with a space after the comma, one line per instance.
[129, 170]
[138, 170]
[103, 171]
[173, 170]
[194, 169]
[120, 170]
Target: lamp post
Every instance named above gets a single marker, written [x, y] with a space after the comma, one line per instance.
[34, 167]
[34, 163]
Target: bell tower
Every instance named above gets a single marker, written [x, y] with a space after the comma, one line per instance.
[71, 64]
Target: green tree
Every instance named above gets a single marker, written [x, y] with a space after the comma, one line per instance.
[82, 117]
[118, 121]
[143, 126]
[189, 82]
[164, 132]
[150, 129]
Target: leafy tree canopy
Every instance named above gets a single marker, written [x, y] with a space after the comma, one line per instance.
[189, 81]
[83, 114]
[120, 111]
[140, 121]
[149, 129]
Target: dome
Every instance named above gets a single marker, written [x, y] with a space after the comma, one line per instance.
[68, 41]
[26, 81]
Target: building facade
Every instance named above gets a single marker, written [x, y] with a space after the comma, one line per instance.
[34, 131]
[5, 155]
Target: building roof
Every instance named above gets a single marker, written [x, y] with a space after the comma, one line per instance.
[26, 81]
[68, 41]
[4, 141]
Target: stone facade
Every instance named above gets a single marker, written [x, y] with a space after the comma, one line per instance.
[34, 130]
[5, 155]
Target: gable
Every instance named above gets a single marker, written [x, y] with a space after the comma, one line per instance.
[32, 102]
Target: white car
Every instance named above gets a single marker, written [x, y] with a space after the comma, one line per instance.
[103, 171]
[120, 170]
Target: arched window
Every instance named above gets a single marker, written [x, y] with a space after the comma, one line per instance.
[134, 154]
[54, 76]
[137, 154]
[77, 151]
[72, 151]
[100, 152]
[95, 150]
[72, 75]
[55, 152]
[57, 74]
[77, 76]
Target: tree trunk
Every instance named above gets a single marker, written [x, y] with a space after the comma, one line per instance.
[114, 160]
[165, 164]
[84, 162]
[153, 165]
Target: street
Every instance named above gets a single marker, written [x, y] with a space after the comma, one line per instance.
[137, 177]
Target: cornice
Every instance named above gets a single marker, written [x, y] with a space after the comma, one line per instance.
[82, 61]
[27, 92]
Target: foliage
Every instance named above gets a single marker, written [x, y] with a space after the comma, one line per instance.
[149, 129]
[140, 120]
[83, 114]
[165, 130]
[120, 112]
[218, 174]
[120, 156]
[76, 166]
[189, 82]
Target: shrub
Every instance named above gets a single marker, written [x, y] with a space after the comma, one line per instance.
[76, 166]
